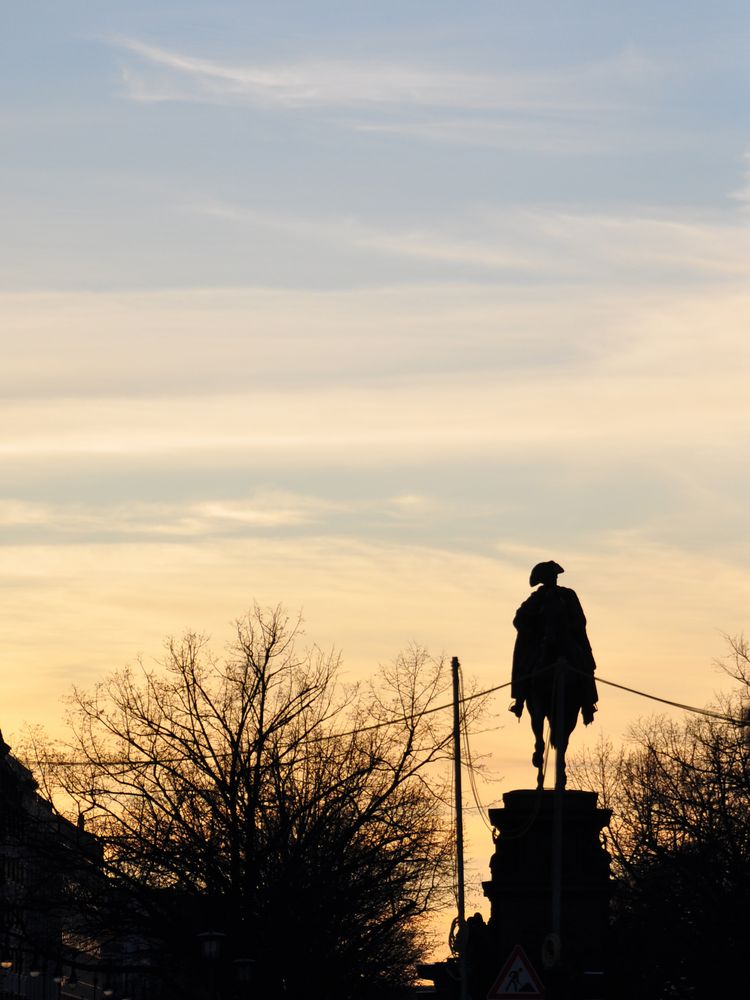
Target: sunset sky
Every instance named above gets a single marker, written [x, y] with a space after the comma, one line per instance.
[366, 308]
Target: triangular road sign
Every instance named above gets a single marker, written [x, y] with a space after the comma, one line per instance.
[517, 978]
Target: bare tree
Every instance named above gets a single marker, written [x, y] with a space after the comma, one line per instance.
[255, 795]
[680, 840]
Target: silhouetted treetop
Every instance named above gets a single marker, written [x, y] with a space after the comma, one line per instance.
[257, 793]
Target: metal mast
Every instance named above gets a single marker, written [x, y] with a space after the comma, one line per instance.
[456, 667]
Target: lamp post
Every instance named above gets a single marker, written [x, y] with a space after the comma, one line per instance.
[6, 954]
[211, 943]
[244, 973]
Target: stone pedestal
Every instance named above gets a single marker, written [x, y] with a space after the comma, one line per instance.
[521, 890]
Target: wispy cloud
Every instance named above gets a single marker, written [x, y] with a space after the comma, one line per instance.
[261, 511]
[661, 243]
[274, 362]
[459, 246]
[318, 83]
[569, 110]
[542, 241]
[168, 75]
[577, 133]
[535, 133]
[23, 513]
[640, 412]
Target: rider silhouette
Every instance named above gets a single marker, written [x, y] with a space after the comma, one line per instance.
[551, 625]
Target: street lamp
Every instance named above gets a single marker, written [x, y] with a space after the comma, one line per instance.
[211, 943]
[244, 970]
[6, 955]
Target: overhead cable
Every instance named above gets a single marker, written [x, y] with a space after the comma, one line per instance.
[708, 713]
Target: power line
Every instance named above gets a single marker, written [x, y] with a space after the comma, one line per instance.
[708, 713]
[472, 777]
[675, 704]
[313, 738]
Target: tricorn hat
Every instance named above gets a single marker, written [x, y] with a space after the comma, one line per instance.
[543, 572]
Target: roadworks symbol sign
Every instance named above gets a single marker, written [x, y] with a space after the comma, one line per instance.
[517, 978]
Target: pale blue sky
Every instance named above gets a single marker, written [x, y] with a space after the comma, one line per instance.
[366, 308]
[312, 144]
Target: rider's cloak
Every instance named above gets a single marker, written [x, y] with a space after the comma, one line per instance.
[551, 624]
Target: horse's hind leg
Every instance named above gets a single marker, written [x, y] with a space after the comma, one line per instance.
[538, 762]
[538, 758]
[561, 775]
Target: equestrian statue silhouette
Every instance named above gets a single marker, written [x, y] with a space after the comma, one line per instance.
[553, 666]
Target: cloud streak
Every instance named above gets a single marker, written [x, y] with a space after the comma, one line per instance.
[265, 510]
[285, 360]
[168, 75]
[264, 513]
[643, 413]
[323, 83]
[544, 241]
